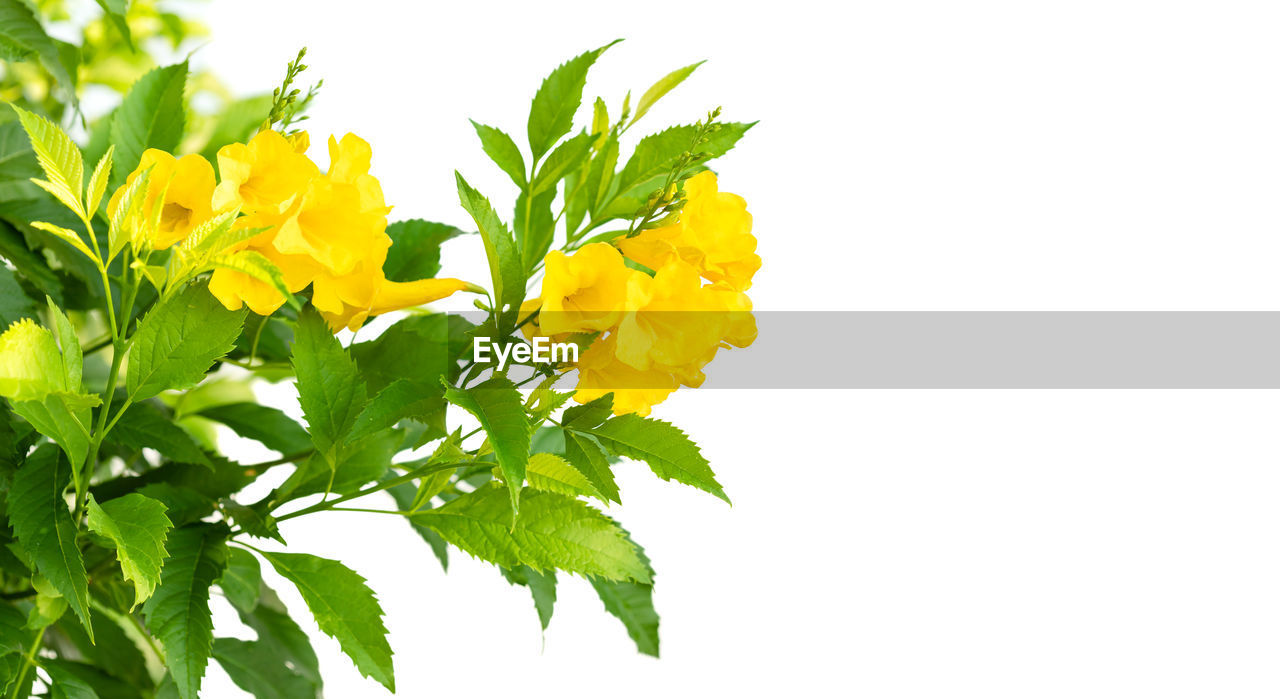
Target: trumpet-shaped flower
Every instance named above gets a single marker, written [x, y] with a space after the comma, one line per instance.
[712, 233]
[187, 185]
[588, 291]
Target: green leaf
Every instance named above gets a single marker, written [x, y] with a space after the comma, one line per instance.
[144, 426]
[178, 613]
[152, 115]
[15, 637]
[257, 266]
[115, 11]
[557, 100]
[404, 496]
[271, 427]
[64, 234]
[586, 456]
[552, 531]
[500, 248]
[344, 608]
[400, 400]
[329, 385]
[356, 465]
[42, 523]
[253, 520]
[661, 88]
[632, 603]
[542, 586]
[58, 155]
[502, 151]
[279, 632]
[49, 604]
[668, 451]
[555, 475]
[62, 417]
[590, 414]
[179, 340]
[242, 579]
[98, 183]
[535, 227]
[23, 38]
[18, 164]
[415, 249]
[500, 409]
[655, 155]
[568, 156]
[257, 670]
[14, 303]
[137, 525]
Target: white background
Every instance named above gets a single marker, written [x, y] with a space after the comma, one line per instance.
[910, 155]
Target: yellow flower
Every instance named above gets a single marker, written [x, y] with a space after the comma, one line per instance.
[713, 233]
[327, 231]
[588, 291]
[347, 301]
[267, 174]
[634, 391]
[682, 324]
[186, 184]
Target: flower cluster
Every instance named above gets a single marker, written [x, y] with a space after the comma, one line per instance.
[657, 329]
[324, 230]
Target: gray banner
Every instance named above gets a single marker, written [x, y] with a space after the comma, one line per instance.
[929, 349]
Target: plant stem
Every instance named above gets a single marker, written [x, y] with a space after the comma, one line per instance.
[28, 661]
[417, 473]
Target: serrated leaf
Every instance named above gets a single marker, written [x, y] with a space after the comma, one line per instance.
[589, 414]
[66, 235]
[179, 340]
[555, 475]
[504, 259]
[62, 417]
[655, 155]
[144, 426]
[126, 216]
[59, 158]
[405, 496]
[557, 100]
[668, 451]
[552, 532]
[566, 157]
[271, 427]
[241, 580]
[535, 227]
[503, 152]
[499, 408]
[41, 521]
[329, 386]
[632, 604]
[152, 115]
[542, 587]
[257, 670]
[400, 400]
[415, 249]
[590, 461]
[257, 266]
[98, 183]
[277, 630]
[661, 88]
[137, 525]
[178, 613]
[344, 608]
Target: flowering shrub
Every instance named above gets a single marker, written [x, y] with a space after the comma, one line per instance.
[145, 297]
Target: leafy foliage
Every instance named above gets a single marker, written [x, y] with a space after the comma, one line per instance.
[120, 370]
